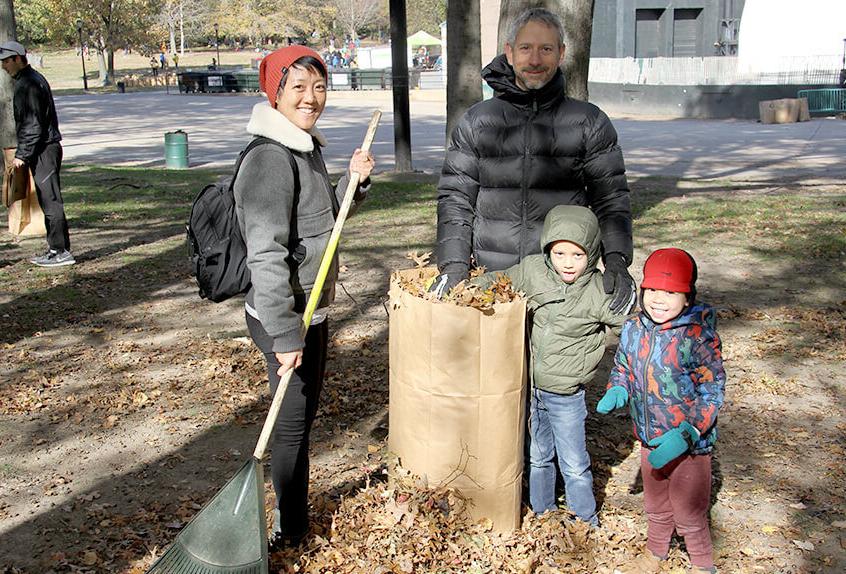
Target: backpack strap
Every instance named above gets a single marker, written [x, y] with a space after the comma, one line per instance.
[254, 143]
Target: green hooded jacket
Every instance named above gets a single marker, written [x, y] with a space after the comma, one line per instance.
[568, 321]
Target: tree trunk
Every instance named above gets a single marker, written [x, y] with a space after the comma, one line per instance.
[577, 17]
[399, 82]
[110, 58]
[464, 59]
[101, 64]
[7, 85]
[181, 29]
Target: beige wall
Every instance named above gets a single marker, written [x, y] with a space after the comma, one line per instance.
[489, 17]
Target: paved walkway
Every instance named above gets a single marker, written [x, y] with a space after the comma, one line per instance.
[128, 129]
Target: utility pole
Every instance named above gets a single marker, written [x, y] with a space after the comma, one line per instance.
[399, 73]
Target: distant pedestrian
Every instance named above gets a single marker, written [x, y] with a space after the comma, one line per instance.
[37, 130]
[175, 59]
[154, 66]
[162, 60]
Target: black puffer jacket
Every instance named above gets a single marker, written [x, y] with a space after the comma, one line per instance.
[513, 158]
[35, 114]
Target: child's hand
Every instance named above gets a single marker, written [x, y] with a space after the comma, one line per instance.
[672, 444]
[614, 398]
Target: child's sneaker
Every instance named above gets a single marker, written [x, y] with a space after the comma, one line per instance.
[700, 570]
[646, 563]
[54, 258]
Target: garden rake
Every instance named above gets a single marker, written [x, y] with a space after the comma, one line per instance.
[229, 535]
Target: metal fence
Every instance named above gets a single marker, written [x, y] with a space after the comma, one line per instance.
[721, 70]
[247, 80]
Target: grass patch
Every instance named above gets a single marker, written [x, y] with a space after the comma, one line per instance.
[773, 226]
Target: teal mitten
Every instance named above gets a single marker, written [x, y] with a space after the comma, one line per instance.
[672, 444]
[614, 398]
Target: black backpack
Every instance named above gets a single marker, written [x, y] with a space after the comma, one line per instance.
[217, 250]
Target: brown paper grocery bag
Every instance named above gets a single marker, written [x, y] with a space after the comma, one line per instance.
[16, 181]
[25, 216]
[457, 398]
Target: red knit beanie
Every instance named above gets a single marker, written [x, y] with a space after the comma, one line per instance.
[274, 65]
[669, 269]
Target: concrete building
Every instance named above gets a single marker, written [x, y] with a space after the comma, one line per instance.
[662, 28]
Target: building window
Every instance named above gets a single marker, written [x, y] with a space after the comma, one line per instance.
[687, 31]
[647, 32]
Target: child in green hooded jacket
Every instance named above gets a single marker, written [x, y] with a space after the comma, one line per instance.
[570, 311]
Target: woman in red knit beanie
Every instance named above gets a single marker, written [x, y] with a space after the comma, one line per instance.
[286, 208]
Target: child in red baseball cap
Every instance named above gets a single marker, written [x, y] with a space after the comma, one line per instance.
[669, 369]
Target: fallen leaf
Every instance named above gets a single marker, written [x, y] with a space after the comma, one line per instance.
[769, 529]
[798, 506]
[804, 545]
[89, 558]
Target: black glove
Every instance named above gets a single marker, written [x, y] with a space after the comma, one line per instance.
[617, 280]
[451, 275]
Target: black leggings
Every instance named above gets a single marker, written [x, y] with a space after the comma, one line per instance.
[289, 460]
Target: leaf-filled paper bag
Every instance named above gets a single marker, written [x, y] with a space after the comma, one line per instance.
[457, 397]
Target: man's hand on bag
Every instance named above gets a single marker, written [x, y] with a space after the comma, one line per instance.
[672, 444]
[618, 281]
[18, 162]
[289, 360]
[450, 276]
[614, 398]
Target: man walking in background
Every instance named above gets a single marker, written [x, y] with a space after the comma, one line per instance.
[37, 128]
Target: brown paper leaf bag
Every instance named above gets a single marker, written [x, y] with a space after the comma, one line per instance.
[457, 398]
[26, 219]
[16, 181]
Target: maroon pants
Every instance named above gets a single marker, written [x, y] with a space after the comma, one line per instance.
[676, 497]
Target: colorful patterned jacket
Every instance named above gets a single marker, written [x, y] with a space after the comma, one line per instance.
[673, 372]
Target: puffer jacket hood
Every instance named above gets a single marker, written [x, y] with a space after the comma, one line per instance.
[577, 225]
[500, 77]
[568, 320]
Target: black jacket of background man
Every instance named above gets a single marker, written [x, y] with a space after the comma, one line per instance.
[514, 157]
[35, 114]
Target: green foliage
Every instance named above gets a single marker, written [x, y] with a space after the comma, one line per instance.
[34, 21]
[107, 24]
[426, 15]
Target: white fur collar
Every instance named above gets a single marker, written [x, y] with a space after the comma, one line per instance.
[266, 121]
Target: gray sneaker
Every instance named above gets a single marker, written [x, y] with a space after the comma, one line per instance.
[54, 258]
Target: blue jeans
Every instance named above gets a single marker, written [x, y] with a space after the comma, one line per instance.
[557, 429]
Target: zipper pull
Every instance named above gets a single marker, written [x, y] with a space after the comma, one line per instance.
[534, 105]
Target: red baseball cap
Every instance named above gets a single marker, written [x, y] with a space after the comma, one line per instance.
[669, 269]
[275, 64]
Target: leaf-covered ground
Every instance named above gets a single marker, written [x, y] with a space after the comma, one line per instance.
[126, 402]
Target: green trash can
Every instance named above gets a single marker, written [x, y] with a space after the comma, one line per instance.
[176, 150]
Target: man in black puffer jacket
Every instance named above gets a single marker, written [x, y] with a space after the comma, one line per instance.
[514, 157]
[37, 129]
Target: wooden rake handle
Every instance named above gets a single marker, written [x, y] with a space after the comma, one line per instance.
[317, 290]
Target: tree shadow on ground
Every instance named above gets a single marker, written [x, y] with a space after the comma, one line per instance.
[131, 511]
